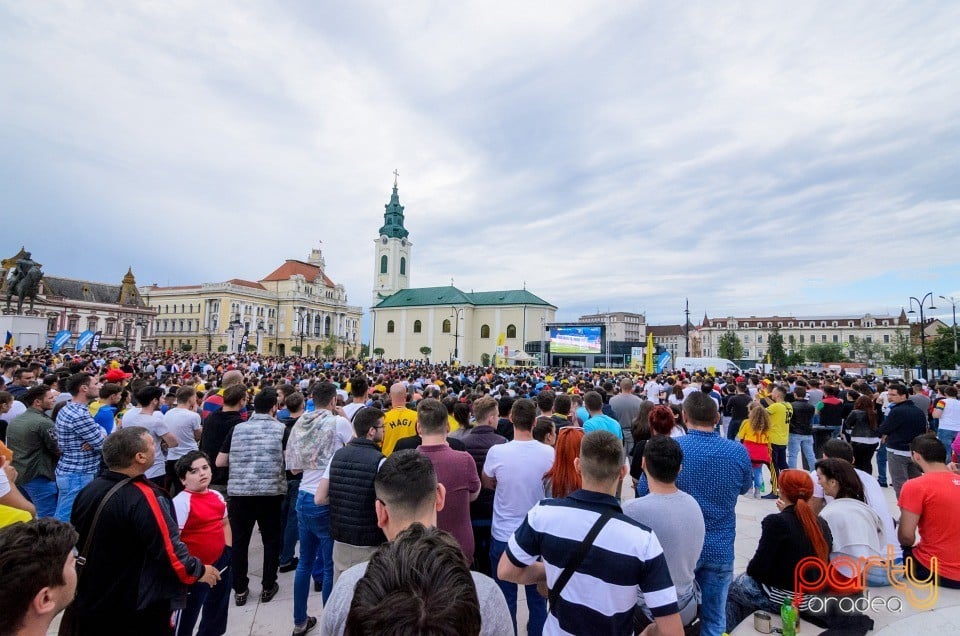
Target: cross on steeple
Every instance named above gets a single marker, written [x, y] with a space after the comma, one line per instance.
[396, 175]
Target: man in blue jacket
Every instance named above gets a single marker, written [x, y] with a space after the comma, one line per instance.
[904, 422]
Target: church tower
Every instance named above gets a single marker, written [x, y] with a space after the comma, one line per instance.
[392, 254]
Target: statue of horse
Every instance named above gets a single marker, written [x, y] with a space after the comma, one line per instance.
[26, 287]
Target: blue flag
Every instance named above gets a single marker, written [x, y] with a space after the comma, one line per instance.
[662, 361]
[84, 339]
[62, 338]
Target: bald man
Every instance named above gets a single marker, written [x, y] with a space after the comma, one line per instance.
[399, 421]
[215, 402]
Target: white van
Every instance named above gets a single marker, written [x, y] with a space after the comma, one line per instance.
[719, 365]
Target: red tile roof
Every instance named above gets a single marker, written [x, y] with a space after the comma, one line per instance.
[245, 283]
[293, 267]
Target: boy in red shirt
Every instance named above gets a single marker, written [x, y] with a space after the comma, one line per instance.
[202, 517]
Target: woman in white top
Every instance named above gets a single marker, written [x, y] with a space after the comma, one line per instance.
[857, 530]
[947, 410]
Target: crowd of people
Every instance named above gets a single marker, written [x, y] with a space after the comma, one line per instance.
[415, 497]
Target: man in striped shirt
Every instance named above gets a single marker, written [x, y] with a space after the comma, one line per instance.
[601, 595]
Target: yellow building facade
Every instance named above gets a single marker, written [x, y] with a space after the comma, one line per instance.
[295, 309]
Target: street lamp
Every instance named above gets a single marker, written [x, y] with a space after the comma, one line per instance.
[457, 315]
[301, 315]
[953, 303]
[141, 332]
[209, 331]
[686, 328]
[923, 326]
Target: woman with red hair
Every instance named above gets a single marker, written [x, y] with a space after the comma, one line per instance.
[786, 538]
[659, 421]
[562, 479]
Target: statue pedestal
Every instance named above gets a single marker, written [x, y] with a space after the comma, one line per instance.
[27, 331]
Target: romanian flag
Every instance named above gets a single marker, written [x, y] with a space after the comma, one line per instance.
[8, 341]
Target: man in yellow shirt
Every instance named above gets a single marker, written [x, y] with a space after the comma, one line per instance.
[399, 421]
[780, 414]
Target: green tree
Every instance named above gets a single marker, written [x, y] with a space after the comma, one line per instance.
[426, 351]
[222, 348]
[902, 353]
[329, 350]
[251, 348]
[825, 352]
[364, 351]
[775, 350]
[186, 346]
[379, 352]
[796, 358]
[730, 346]
[940, 353]
[485, 359]
[295, 349]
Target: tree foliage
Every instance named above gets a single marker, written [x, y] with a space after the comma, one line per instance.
[902, 352]
[426, 351]
[379, 351]
[730, 346]
[775, 350]
[825, 352]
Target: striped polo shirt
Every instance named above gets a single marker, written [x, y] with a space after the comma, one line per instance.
[601, 594]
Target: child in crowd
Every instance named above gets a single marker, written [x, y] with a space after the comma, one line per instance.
[754, 432]
[202, 517]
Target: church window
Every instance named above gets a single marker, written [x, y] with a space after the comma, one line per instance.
[383, 264]
[511, 331]
[417, 326]
[484, 331]
[445, 327]
[390, 325]
[403, 266]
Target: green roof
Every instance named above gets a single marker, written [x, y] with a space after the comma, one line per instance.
[450, 295]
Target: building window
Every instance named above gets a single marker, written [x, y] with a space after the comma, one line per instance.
[836, 338]
[383, 264]
[870, 339]
[92, 323]
[446, 326]
[850, 339]
[485, 331]
[111, 326]
[823, 338]
[886, 338]
[417, 326]
[390, 326]
[759, 339]
[403, 266]
[73, 323]
[52, 323]
[801, 338]
[511, 331]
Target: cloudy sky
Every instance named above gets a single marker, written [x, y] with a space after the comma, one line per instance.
[759, 158]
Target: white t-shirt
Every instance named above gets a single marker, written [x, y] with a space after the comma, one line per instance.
[155, 424]
[182, 423]
[128, 416]
[352, 408]
[4, 484]
[653, 391]
[518, 468]
[950, 416]
[875, 499]
[16, 408]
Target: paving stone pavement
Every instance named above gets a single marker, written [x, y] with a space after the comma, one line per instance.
[276, 617]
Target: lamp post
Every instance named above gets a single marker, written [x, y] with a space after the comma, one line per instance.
[209, 331]
[923, 328]
[260, 332]
[141, 323]
[543, 329]
[953, 304]
[457, 315]
[686, 328]
[300, 317]
[235, 326]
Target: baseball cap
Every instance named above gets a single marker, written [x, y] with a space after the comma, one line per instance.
[116, 375]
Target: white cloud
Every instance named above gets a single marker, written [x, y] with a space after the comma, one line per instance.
[755, 158]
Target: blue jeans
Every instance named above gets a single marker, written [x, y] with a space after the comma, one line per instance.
[945, 437]
[758, 478]
[214, 601]
[745, 597]
[714, 581]
[882, 464]
[315, 543]
[69, 485]
[536, 604]
[290, 529]
[43, 493]
[797, 444]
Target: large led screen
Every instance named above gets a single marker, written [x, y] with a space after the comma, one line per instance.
[586, 339]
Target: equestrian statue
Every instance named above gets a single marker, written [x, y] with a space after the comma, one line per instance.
[24, 282]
